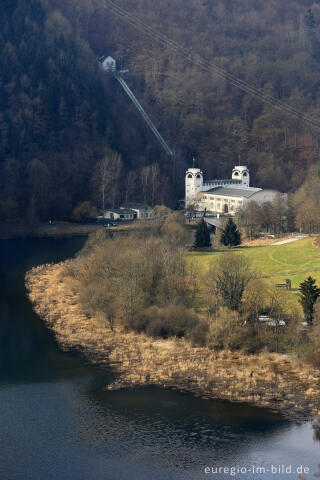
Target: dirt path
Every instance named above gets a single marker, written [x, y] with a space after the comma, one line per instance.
[289, 240]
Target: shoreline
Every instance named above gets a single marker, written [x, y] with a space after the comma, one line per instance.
[12, 232]
[274, 381]
[62, 229]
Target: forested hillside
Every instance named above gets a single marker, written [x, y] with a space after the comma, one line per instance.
[59, 115]
[52, 118]
[274, 46]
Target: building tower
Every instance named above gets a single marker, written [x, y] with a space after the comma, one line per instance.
[241, 173]
[194, 184]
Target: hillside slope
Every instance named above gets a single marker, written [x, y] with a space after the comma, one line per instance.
[59, 114]
[273, 46]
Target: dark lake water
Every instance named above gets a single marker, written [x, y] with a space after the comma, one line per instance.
[58, 423]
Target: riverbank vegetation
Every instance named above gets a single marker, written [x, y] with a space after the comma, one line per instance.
[278, 381]
[147, 282]
[143, 281]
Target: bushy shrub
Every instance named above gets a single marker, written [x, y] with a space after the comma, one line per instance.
[252, 341]
[310, 354]
[199, 334]
[228, 331]
[225, 330]
[141, 320]
[170, 321]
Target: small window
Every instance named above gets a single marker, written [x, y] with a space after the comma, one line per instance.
[198, 176]
[245, 174]
[236, 174]
[190, 175]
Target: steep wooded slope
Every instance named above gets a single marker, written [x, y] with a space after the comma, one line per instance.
[58, 114]
[274, 46]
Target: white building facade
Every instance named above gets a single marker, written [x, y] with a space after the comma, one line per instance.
[143, 212]
[224, 196]
[108, 64]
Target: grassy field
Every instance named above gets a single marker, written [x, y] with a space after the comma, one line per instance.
[296, 260]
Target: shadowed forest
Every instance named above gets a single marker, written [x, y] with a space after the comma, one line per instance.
[59, 115]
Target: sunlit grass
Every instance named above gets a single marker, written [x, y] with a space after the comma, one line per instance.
[296, 260]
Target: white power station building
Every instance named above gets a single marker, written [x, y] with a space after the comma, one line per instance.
[224, 196]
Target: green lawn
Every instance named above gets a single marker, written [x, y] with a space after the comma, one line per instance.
[295, 260]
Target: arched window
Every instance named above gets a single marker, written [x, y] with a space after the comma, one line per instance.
[236, 174]
[226, 208]
[198, 176]
[245, 174]
[190, 175]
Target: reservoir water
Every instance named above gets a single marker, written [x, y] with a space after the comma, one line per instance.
[58, 423]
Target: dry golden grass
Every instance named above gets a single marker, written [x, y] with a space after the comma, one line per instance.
[270, 380]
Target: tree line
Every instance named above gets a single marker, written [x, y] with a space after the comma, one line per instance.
[59, 124]
[60, 116]
[298, 212]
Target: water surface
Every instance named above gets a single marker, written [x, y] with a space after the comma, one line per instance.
[58, 422]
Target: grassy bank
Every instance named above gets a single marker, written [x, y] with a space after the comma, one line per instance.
[275, 381]
[295, 260]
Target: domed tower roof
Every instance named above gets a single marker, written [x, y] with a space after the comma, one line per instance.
[241, 172]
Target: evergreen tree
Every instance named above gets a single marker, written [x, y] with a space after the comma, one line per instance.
[202, 235]
[230, 236]
[309, 293]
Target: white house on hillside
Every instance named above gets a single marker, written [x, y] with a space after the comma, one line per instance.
[224, 196]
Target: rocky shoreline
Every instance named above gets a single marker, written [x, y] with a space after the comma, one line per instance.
[278, 382]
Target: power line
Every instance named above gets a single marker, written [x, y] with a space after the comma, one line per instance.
[138, 24]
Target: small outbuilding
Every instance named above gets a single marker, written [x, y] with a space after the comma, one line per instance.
[108, 64]
[143, 212]
[121, 214]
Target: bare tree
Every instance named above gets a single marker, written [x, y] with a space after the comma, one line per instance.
[131, 181]
[145, 180]
[231, 276]
[107, 175]
[116, 167]
[154, 181]
[102, 171]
